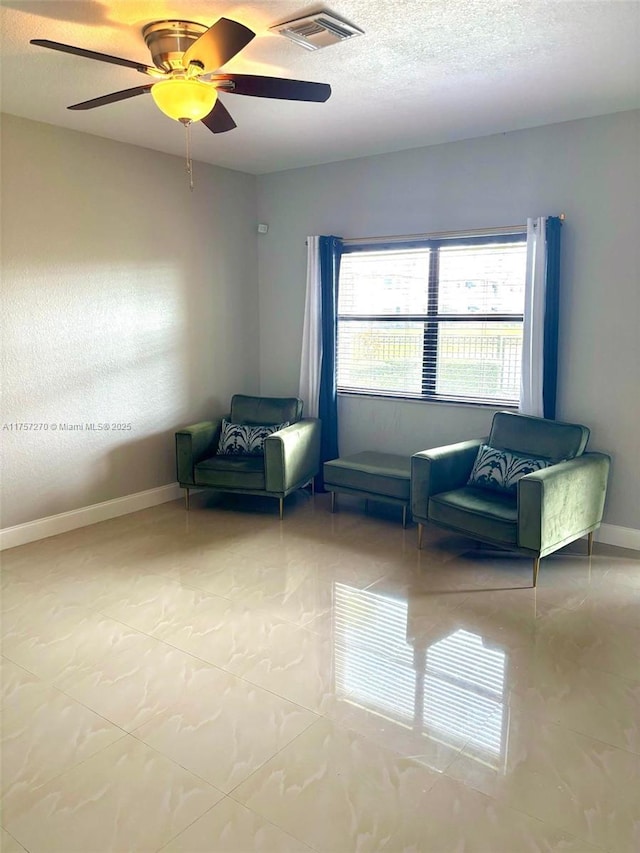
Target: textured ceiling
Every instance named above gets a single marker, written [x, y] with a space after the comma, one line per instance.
[423, 73]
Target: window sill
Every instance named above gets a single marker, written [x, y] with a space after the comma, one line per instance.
[431, 401]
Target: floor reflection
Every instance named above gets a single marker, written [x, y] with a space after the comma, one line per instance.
[464, 694]
[451, 691]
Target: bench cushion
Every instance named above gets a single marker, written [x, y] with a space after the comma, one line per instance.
[370, 472]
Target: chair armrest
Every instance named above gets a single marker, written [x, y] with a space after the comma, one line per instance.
[439, 470]
[292, 455]
[558, 504]
[193, 444]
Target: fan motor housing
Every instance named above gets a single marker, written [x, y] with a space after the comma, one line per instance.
[168, 40]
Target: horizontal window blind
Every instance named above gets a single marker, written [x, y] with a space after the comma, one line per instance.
[439, 320]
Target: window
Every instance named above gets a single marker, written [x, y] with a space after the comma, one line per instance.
[435, 319]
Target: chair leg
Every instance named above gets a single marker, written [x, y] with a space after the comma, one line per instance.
[281, 508]
[186, 499]
[333, 501]
[590, 543]
[420, 529]
[536, 567]
[404, 518]
[313, 486]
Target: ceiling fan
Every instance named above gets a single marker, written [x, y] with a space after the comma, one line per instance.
[187, 57]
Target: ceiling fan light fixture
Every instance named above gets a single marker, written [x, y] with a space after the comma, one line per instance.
[184, 99]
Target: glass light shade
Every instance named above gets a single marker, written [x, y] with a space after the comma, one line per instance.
[184, 100]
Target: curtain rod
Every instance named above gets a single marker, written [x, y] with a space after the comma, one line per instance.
[436, 235]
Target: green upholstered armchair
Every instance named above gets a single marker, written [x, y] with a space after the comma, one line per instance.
[291, 455]
[543, 510]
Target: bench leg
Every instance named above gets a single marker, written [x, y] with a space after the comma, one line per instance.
[420, 531]
[186, 499]
[590, 544]
[333, 501]
[404, 518]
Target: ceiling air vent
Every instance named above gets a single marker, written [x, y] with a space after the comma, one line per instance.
[318, 30]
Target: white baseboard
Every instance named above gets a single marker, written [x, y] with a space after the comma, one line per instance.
[623, 537]
[41, 528]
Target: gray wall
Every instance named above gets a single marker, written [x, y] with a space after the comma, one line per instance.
[588, 169]
[126, 299]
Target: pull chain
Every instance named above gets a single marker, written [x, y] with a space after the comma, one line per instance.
[187, 127]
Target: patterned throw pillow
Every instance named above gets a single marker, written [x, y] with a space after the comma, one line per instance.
[501, 469]
[245, 439]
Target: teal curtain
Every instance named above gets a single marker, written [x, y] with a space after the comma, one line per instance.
[330, 249]
[551, 317]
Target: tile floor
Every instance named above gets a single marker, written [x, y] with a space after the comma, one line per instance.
[221, 681]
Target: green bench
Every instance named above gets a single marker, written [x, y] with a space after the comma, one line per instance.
[371, 475]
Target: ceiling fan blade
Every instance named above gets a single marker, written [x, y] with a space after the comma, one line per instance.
[112, 98]
[102, 57]
[275, 87]
[218, 45]
[219, 120]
